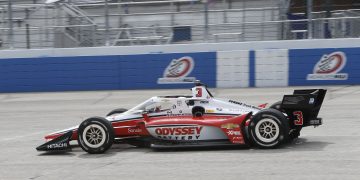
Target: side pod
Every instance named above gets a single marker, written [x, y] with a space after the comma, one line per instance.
[60, 143]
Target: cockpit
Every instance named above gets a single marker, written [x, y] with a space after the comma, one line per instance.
[153, 105]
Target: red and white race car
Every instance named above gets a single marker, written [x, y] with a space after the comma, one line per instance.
[196, 120]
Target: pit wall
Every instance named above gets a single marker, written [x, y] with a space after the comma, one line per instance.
[327, 62]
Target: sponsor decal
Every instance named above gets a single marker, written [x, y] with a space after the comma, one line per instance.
[243, 104]
[315, 122]
[230, 126]
[233, 133]
[134, 130]
[177, 71]
[219, 109]
[329, 66]
[311, 100]
[180, 114]
[237, 140]
[179, 133]
[57, 145]
[210, 111]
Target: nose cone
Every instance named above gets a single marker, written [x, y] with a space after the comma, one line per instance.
[58, 144]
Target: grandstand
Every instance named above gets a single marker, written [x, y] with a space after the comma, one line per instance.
[89, 23]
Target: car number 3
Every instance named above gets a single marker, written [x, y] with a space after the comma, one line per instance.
[299, 118]
[198, 92]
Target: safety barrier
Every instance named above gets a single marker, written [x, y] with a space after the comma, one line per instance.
[59, 71]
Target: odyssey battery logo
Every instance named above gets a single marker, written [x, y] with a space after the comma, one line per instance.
[179, 133]
[178, 70]
[329, 66]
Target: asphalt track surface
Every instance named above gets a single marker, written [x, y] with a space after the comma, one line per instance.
[331, 151]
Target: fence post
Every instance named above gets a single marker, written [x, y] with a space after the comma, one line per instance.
[107, 40]
[11, 30]
[206, 28]
[309, 6]
[27, 14]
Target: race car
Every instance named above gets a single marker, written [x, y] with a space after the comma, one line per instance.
[196, 120]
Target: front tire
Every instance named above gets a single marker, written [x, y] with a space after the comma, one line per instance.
[268, 129]
[95, 135]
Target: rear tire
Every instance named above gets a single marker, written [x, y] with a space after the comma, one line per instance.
[95, 135]
[268, 129]
[294, 132]
[117, 111]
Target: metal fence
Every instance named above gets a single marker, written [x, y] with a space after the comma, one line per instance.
[65, 24]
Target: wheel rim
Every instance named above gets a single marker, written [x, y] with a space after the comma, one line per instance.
[94, 136]
[267, 130]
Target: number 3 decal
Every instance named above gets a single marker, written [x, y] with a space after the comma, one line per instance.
[198, 92]
[299, 118]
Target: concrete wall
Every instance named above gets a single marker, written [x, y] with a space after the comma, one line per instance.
[283, 63]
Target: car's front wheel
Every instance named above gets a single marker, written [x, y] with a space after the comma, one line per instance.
[95, 135]
[268, 128]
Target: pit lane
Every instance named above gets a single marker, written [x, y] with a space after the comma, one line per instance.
[331, 151]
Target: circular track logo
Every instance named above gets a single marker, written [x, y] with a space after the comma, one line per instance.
[178, 70]
[329, 66]
[331, 63]
[179, 67]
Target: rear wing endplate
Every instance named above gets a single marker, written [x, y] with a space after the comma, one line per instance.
[303, 106]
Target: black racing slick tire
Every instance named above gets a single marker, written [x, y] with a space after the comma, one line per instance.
[268, 129]
[294, 132]
[117, 111]
[95, 135]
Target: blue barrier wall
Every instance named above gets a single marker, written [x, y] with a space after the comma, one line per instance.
[107, 69]
[330, 66]
[102, 72]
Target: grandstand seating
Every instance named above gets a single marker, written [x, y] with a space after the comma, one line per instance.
[81, 23]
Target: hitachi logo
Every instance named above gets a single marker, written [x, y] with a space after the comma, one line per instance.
[57, 145]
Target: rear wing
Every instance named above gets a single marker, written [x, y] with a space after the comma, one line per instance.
[303, 106]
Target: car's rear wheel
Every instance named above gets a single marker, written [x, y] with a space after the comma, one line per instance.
[117, 111]
[294, 132]
[268, 129]
[95, 135]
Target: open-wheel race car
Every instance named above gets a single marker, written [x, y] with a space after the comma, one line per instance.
[196, 120]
